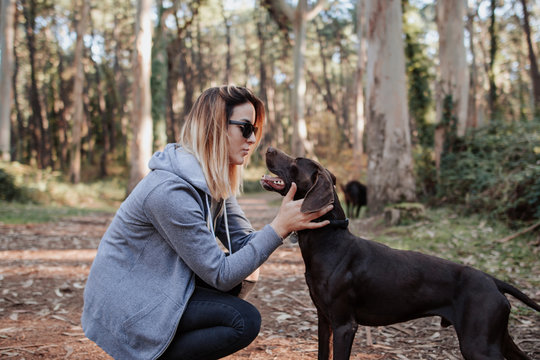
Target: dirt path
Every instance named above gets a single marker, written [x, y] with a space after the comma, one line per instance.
[43, 269]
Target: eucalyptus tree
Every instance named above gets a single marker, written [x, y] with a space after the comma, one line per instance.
[535, 73]
[7, 16]
[390, 164]
[298, 16]
[454, 70]
[141, 118]
[359, 119]
[75, 163]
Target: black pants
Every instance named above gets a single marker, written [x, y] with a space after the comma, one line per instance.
[214, 325]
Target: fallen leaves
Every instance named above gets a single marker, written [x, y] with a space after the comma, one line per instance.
[43, 269]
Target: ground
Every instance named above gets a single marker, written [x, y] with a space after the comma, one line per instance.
[43, 269]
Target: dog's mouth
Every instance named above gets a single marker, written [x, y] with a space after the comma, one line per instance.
[272, 183]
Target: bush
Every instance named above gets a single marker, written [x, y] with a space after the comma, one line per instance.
[495, 169]
[8, 190]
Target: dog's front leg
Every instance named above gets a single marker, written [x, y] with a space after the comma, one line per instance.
[343, 340]
[325, 337]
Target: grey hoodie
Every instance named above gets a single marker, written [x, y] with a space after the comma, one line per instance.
[144, 271]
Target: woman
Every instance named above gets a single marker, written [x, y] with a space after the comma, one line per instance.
[158, 285]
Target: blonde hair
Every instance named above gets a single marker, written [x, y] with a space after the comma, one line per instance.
[204, 134]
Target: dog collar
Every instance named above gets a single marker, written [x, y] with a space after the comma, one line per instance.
[344, 223]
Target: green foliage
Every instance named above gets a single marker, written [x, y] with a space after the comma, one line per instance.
[419, 76]
[495, 169]
[8, 190]
[425, 172]
[28, 194]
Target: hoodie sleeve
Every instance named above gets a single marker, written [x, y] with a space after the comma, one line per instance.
[178, 212]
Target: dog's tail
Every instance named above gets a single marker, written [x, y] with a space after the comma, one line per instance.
[509, 289]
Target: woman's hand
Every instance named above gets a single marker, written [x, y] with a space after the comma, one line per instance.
[290, 218]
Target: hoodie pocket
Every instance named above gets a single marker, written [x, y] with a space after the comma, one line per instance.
[151, 325]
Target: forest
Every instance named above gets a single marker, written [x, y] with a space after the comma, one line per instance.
[435, 101]
[433, 105]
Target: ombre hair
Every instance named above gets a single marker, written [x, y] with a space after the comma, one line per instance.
[204, 134]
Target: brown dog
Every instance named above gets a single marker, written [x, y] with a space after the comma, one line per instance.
[356, 281]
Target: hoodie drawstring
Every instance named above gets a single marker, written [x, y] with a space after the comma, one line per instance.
[227, 226]
[210, 222]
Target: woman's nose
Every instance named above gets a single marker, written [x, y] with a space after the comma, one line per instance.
[252, 139]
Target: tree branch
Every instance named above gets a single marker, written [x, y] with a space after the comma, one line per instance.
[316, 9]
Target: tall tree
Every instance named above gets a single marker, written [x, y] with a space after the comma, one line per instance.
[299, 17]
[390, 164]
[493, 49]
[472, 116]
[454, 71]
[535, 74]
[37, 120]
[78, 85]
[141, 118]
[7, 15]
[358, 114]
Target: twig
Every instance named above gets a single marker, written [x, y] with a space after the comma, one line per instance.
[519, 233]
[21, 347]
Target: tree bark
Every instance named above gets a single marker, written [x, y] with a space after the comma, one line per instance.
[454, 72]
[35, 123]
[7, 15]
[390, 164]
[492, 95]
[299, 18]
[78, 105]
[358, 114]
[141, 119]
[472, 113]
[535, 74]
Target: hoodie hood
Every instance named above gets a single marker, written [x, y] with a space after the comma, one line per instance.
[177, 160]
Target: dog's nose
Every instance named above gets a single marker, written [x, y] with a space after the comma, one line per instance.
[271, 150]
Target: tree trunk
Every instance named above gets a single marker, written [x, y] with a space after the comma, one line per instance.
[454, 72]
[228, 43]
[78, 105]
[7, 15]
[358, 114]
[535, 74]
[20, 133]
[141, 142]
[472, 113]
[158, 81]
[299, 140]
[299, 18]
[266, 89]
[492, 95]
[390, 164]
[35, 123]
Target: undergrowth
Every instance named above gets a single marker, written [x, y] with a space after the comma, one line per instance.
[32, 195]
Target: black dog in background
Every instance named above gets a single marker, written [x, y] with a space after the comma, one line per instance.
[355, 197]
[357, 281]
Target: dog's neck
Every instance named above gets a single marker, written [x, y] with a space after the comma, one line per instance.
[336, 216]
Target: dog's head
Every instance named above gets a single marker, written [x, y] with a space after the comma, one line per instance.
[314, 183]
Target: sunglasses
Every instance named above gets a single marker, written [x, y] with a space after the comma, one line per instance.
[247, 128]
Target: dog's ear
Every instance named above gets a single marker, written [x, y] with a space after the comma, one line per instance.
[321, 193]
